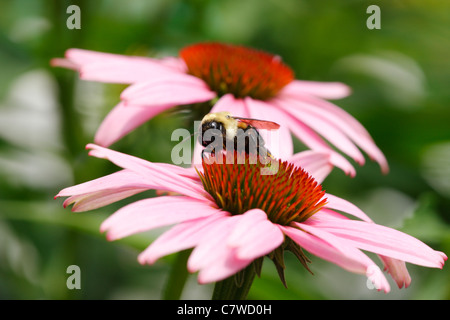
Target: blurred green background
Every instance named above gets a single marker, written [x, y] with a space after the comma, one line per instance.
[400, 80]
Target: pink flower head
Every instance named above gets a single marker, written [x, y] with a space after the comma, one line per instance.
[246, 82]
[232, 216]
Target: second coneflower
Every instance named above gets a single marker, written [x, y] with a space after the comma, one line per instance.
[233, 215]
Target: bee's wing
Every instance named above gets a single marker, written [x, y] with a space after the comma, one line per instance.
[259, 124]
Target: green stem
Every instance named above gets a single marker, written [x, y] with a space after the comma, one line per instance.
[177, 277]
[235, 287]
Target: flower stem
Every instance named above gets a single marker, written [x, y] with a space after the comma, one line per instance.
[177, 277]
[235, 287]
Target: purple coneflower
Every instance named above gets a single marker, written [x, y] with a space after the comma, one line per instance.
[233, 216]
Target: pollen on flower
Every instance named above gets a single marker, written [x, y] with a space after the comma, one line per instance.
[289, 194]
[238, 70]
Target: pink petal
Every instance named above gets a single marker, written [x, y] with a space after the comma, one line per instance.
[254, 235]
[309, 137]
[316, 163]
[153, 213]
[334, 202]
[176, 63]
[331, 248]
[182, 236]
[174, 89]
[324, 128]
[332, 114]
[325, 214]
[123, 119]
[342, 163]
[314, 142]
[137, 90]
[213, 257]
[99, 199]
[166, 176]
[280, 144]
[82, 56]
[332, 109]
[105, 190]
[108, 67]
[213, 244]
[376, 276]
[397, 269]
[229, 103]
[383, 240]
[222, 269]
[326, 90]
[127, 70]
[233, 243]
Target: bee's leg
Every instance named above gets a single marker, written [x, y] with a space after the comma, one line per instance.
[209, 150]
[203, 154]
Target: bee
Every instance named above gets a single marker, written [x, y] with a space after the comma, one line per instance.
[237, 132]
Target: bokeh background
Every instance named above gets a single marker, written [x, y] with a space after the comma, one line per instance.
[400, 80]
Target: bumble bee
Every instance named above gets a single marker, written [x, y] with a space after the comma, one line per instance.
[237, 132]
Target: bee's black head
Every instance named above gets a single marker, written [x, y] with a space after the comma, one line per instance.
[216, 128]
